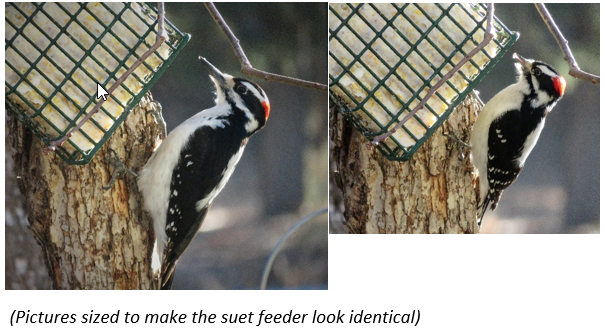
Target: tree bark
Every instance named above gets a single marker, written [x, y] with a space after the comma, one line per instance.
[431, 193]
[24, 266]
[91, 238]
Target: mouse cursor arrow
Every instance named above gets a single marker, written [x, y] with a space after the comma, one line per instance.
[101, 92]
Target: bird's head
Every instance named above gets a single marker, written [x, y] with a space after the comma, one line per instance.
[541, 75]
[244, 94]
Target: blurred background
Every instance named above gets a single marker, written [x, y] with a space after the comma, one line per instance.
[558, 190]
[281, 177]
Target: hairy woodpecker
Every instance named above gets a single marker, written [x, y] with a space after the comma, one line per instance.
[508, 128]
[193, 164]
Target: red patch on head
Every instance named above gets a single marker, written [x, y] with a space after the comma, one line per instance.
[560, 84]
[267, 108]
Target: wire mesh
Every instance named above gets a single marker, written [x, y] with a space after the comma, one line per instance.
[384, 58]
[56, 53]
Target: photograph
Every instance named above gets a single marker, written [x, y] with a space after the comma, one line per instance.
[435, 109]
[200, 159]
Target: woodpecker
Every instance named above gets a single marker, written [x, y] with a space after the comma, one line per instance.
[508, 128]
[194, 162]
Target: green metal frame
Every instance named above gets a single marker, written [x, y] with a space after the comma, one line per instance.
[504, 41]
[176, 41]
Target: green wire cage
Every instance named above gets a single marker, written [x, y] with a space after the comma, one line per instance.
[384, 58]
[56, 53]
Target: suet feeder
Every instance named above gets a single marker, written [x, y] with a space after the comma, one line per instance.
[384, 58]
[56, 53]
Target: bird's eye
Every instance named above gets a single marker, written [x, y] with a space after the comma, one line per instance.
[241, 89]
[536, 71]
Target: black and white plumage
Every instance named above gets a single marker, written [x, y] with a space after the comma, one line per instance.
[193, 164]
[508, 128]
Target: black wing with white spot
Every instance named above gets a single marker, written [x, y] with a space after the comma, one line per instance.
[505, 148]
[202, 165]
[503, 151]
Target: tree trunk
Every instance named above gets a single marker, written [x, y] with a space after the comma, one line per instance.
[431, 193]
[91, 238]
[24, 266]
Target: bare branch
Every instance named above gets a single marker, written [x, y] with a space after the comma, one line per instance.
[246, 66]
[574, 69]
[489, 35]
[251, 71]
[161, 36]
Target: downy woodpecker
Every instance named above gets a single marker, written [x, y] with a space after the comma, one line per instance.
[508, 128]
[193, 164]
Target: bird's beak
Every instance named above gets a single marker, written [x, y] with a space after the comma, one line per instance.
[525, 63]
[218, 76]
